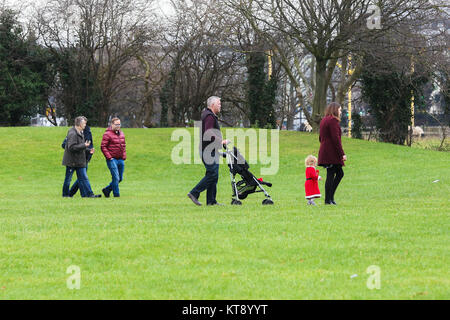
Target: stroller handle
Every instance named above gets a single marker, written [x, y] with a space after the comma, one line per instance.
[225, 145]
[224, 154]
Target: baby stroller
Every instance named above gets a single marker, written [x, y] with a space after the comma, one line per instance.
[249, 183]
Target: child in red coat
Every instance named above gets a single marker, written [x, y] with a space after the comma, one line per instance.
[312, 177]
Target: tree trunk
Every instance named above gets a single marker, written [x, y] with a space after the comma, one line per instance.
[104, 113]
[291, 109]
[289, 121]
[148, 111]
[320, 93]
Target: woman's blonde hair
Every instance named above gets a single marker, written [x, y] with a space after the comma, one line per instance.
[310, 161]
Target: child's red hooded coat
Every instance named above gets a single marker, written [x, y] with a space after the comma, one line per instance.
[311, 185]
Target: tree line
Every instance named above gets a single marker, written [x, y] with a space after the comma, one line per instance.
[269, 60]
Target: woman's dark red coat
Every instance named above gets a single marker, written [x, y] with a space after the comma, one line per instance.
[331, 151]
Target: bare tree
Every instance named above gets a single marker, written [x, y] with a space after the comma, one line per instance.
[201, 65]
[329, 30]
[105, 35]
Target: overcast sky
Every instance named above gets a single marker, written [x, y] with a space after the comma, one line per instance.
[162, 6]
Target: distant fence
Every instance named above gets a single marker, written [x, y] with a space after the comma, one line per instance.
[429, 132]
[42, 121]
[435, 131]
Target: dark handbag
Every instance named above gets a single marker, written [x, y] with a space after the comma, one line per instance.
[63, 145]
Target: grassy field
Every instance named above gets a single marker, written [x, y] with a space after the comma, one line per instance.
[432, 143]
[153, 243]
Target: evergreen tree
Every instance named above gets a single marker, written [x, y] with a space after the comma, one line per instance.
[387, 89]
[26, 74]
[167, 98]
[261, 93]
[357, 126]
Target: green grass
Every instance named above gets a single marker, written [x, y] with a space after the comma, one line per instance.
[153, 243]
[432, 144]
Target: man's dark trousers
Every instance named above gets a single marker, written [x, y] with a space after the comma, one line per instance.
[208, 183]
[83, 181]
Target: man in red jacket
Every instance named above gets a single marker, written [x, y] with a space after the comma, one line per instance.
[114, 148]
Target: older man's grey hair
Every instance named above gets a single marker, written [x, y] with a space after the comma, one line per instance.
[78, 120]
[211, 101]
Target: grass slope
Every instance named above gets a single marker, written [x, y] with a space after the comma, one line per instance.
[153, 243]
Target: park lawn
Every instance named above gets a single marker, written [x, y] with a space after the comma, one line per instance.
[153, 243]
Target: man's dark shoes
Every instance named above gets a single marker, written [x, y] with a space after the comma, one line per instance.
[94, 196]
[330, 203]
[106, 192]
[194, 199]
[215, 204]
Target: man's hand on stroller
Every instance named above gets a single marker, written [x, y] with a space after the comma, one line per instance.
[225, 143]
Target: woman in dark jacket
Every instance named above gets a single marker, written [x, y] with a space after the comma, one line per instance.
[89, 152]
[75, 159]
[331, 154]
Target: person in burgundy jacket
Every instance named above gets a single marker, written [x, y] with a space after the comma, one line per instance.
[211, 141]
[114, 149]
[331, 154]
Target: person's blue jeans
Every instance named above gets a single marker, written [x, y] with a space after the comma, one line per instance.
[74, 189]
[208, 183]
[83, 182]
[116, 167]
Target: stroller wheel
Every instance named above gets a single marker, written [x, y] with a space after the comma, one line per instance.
[243, 196]
[267, 202]
[235, 202]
